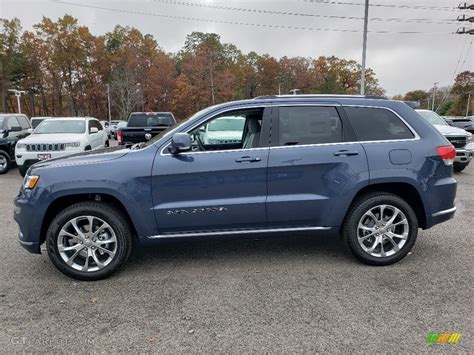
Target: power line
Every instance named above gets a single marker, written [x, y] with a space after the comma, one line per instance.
[456, 70]
[248, 24]
[397, 6]
[290, 13]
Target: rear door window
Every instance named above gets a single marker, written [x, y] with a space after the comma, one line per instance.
[377, 124]
[309, 125]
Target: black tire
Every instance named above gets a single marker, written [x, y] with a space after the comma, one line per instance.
[107, 144]
[107, 213]
[22, 169]
[8, 162]
[355, 214]
[88, 148]
[458, 167]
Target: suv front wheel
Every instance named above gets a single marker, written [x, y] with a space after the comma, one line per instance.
[380, 229]
[89, 240]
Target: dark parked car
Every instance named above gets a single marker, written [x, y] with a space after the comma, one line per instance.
[12, 128]
[370, 170]
[466, 123]
[143, 126]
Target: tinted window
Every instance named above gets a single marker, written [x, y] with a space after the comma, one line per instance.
[309, 125]
[374, 124]
[150, 120]
[36, 121]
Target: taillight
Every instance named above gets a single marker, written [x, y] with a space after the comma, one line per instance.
[120, 137]
[447, 153]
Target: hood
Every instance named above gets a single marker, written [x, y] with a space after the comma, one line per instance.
[53, 138]
[450, 130]
[89, 157]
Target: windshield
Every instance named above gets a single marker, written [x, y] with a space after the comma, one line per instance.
[432, 117]
[227, 124]
[150, 120]
[61, 126]
[121, 124]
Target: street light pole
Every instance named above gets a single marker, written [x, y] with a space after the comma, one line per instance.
[108, 100]
[18, 94]
[434, 96]
[364, 48]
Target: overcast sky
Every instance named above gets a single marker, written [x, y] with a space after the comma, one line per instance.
[402, 62]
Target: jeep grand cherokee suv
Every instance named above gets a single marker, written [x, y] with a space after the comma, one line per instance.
[370, 170]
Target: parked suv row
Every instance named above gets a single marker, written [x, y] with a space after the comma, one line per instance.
[370, 170]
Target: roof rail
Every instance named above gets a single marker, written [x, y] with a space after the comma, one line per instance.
[303, 96]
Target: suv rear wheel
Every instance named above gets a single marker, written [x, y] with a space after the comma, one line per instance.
[380, 229]
[458, 167]
[89, 240]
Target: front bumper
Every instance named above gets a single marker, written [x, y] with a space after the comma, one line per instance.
[464, 155]
[29, 218]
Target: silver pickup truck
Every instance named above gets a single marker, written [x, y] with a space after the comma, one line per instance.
[459, 138]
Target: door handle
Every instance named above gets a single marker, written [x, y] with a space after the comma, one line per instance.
[247, 159]
[345, 153]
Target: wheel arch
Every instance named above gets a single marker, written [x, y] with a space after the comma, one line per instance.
[62, 202]
[405, 190]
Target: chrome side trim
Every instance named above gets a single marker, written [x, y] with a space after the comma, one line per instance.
[236, 232]
[451, 210]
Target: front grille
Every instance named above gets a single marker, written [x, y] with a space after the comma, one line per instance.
[458, 142]
[45, 147]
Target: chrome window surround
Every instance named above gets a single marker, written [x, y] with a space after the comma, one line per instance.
[412, 130]
[236, 232]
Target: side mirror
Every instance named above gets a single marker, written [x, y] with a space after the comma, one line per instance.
[15, 129]
[93, 130]
[181, 142]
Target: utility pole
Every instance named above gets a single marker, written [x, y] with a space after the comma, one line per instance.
[468, 104]
[435, 87]
[108, 100]
[18, 94]
[364, 48]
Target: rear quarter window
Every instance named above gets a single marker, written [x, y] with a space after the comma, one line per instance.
[376, 124]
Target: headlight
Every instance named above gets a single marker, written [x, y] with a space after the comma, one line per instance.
[469, 138]
[30, 181]
[73, 144]
[20, 146]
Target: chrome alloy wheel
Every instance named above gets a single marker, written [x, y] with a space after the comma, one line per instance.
[87, 243]
[383, 231]
[3, 162]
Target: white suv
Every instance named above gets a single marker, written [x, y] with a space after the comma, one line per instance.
[58, 137]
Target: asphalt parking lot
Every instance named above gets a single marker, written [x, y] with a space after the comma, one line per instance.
[239, 295]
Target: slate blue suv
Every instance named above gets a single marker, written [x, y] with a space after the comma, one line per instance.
[368, 169]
